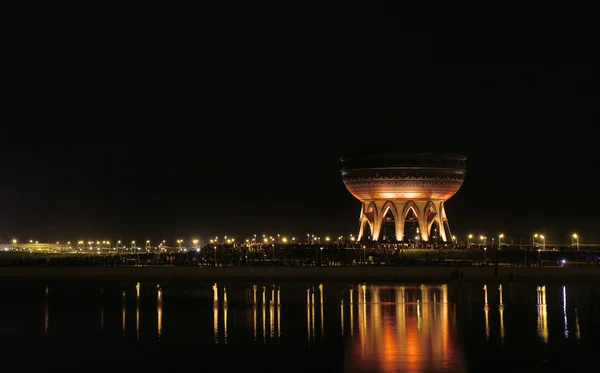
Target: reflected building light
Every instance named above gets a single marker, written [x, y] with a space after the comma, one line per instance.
[137, 319]
[216, 322]
[445, 321]
[419, 318]
[272, 320]
[351, 313]
[254, 323]
[362, 322]
[364, 293]
[501, 311]
[278, 317]
[272, 301]
[486, 310]
[123, 316]
[424, 294]
[215, 294]
[123, 311]
[308, 315]
[500, 294]
[225, 319]
[351, 295]
[383, 349]
[322, 316]
[342, 316]
[159, 317]
[400, 295]
[264, 318]
[264, 295]
[278, 295]
[577, 334]
[312, 315]
[102, 318]
[485, 295]
[542, 314]
[254, 287]
[137, 291]
[566, 324]
[224, 296]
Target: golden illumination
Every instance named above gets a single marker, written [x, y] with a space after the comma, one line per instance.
[278, 319]
[215, 294]
[312, 314]
[159, 311]
[272, 320]
[216, 322]
[308, 330]
[322, 315]
[486, 310]
[137, 319]
[254, 322]
[137, 291]
[542, 314]
[123, 314]
[577, 333]
[393, 341]
[342, 316]
[225, 322]
[264, 319]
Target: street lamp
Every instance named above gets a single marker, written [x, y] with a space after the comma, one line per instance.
[543, 242]
[469, 239]
[500, 237]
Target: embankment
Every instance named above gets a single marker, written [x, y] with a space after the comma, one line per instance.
[278, 274]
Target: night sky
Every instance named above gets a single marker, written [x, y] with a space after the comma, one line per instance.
[119, 125]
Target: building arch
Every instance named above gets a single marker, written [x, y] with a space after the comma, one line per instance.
[389, 205]
[410, 205]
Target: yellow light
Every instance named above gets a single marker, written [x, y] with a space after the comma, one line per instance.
[501, 235]
[574, 235]
[470, 236]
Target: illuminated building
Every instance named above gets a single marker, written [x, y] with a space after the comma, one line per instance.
[403, 195]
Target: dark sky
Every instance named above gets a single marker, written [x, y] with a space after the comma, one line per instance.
[125, 125]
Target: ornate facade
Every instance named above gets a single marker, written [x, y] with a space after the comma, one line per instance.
[394, 188]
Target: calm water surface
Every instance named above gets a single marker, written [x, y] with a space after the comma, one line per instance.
[301, 327]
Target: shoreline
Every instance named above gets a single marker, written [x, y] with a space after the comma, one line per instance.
[279, 274]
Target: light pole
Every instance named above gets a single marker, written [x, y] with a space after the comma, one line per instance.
[500, 237]
[215, 256]
[321, 255]
[485, 254]
[576, 237]
[543, 242]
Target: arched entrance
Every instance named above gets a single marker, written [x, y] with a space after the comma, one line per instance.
[388, 227]
[366, 231]
[434, 233]
[411, 227]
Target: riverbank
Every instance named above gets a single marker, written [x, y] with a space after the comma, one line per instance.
[279, 274]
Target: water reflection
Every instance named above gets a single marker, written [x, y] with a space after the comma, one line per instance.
[486, 310]
[542, 314]
[501, 312]
[159, 310]
[386, 328]
[399, 335]
[123, 311]
[565, 320]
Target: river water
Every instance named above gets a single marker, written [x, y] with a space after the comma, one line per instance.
[330, 327]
